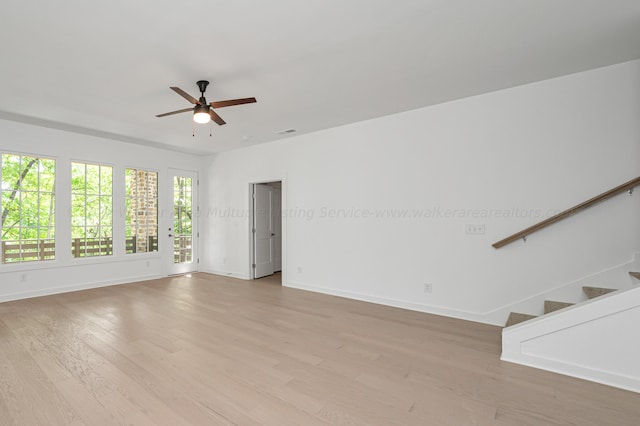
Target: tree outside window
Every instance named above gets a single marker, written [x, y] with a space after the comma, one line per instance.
[27, 188]
[91, 210]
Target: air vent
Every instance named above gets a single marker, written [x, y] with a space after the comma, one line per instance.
[287, 131]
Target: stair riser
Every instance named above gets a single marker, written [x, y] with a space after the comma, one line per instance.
[552, 306]
[593, 292]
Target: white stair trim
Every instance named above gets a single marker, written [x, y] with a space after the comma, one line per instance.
[595, 340]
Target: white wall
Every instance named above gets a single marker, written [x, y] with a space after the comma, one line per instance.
[66, 273]
[487, 160]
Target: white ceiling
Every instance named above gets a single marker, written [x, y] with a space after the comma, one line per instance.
[104, 68]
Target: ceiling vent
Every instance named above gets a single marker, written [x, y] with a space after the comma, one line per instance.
[285, 132]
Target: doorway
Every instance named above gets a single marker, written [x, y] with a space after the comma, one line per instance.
[183, 228]
[266, 229]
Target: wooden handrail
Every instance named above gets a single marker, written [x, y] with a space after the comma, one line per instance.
[569, 212]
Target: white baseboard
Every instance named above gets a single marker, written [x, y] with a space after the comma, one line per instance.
[403, 304]
[76, 287]
[239, 275]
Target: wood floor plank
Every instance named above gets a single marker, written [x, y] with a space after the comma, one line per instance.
[90, 409]
[6, 419]
[54, 370]
[198, 413]
[271, 414]
[447, 409]
[30, 386]
[221, 351]
[209, 394]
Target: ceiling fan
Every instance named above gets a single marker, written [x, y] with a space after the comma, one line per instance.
[203, 111]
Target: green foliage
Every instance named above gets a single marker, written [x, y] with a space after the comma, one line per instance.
[28, 197]
[91, 207]
[182, 196]
[28, 200]
[27, 206]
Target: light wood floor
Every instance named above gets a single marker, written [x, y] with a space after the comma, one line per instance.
[210, 350]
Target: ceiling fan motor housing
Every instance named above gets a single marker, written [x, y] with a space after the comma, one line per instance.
[201, 109]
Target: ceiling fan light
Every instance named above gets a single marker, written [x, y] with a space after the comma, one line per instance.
[201, 114]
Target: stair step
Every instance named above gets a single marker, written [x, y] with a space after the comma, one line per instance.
[552, 306]
[517, 318]
[593, 292]
[635, 275]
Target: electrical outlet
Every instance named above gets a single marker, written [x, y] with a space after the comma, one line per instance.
[477, 229]
[428, 288]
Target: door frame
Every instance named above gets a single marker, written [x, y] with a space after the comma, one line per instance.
[195, 213]
[283, 204]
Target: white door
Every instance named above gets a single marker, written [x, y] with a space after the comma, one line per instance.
[277, 229]
[183, 232]
[262, 230]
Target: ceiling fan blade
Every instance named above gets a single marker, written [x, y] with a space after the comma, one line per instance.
[174, 112]
[215, 117]
[185, 95]
[232, 102]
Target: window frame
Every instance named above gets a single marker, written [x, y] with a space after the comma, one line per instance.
[52, 225]
[128, 226]
[72, 193]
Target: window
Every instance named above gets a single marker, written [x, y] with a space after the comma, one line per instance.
[182, 219]
[91, 210]
[27, 208]
[141, 211]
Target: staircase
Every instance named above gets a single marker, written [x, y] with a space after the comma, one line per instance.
[552, 305]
